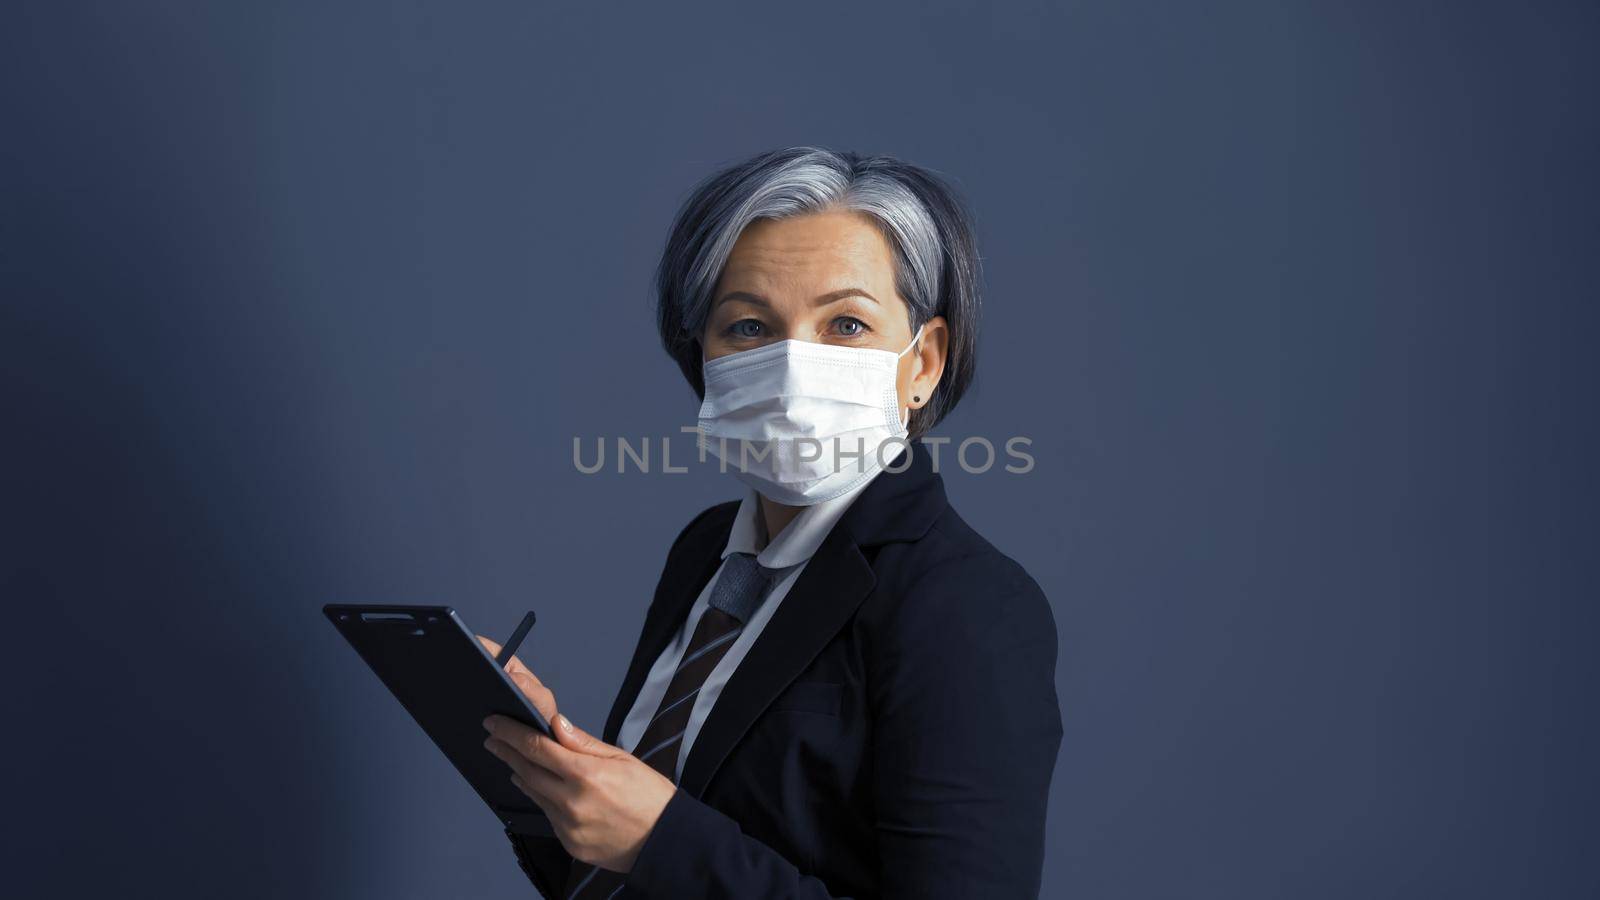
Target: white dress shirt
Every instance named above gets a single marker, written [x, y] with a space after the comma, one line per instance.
[788, 555]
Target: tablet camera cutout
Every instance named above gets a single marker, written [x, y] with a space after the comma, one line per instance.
[398, 618]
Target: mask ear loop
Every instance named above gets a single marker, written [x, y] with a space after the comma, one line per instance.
[914, 338]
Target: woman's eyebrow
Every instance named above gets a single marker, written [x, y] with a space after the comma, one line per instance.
[746, 296]
[835, 296]
[824, 300]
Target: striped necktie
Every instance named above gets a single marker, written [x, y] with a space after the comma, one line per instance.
[741, 585]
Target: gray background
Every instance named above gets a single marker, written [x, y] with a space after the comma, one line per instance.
[305, 302]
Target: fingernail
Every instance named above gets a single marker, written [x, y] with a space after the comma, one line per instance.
[562, 721]
[488, 724]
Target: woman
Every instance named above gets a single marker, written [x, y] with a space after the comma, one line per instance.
[841, 689]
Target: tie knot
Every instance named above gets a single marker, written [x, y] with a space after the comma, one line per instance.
[741, 586]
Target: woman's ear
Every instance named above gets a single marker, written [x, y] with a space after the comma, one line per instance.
[928, 359]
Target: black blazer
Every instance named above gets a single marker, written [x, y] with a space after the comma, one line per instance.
[891, 733]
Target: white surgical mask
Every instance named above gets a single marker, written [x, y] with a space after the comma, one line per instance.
[789, 418]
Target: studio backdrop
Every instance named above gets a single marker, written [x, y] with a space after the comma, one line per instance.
[308, 302]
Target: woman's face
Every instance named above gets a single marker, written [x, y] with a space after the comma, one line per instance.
[828, 278]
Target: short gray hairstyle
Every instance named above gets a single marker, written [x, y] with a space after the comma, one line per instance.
[920, 214]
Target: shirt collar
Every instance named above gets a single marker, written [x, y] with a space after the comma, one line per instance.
[797, 542]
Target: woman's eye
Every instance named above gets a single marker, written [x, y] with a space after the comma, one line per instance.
[746, 328]
[850, 326]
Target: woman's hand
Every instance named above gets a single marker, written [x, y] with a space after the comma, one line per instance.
[602, 800]
[540, 696]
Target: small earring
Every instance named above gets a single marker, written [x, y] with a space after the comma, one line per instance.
[915, 399]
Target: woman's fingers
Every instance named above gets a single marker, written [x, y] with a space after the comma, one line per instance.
[542, 698]
[512, 667]
[576, 739]
[508, 755]
[539, 783]
[536, 748]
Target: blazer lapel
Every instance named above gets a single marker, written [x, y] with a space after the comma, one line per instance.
[896, 506]
[676, 593]
[818, 605]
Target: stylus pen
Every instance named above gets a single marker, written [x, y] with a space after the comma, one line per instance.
[511, 646]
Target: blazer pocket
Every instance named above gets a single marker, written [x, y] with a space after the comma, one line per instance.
[821, 697]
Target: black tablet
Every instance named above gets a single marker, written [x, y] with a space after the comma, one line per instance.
[442, 674]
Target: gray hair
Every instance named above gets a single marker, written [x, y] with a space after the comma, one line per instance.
[920, 215]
